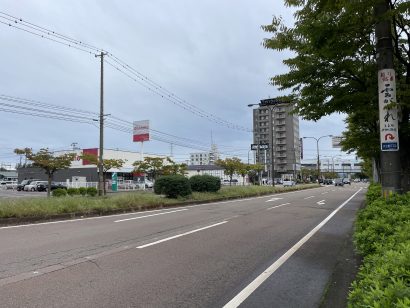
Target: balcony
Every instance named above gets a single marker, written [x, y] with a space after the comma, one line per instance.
[281, 149]
[281, 142]
[280, 123]
[282, 162]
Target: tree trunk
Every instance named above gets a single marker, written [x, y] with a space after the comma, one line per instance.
[49, 184]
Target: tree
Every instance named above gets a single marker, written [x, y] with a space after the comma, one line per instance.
[230, 165]
[22, 153]
[334, 68]
[172, 168]
[107, 164]
[152, 166]
[47, 161]
[243, 170]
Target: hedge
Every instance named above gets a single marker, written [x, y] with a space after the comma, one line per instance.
[172, 186]
[205, 183]
[382, 237]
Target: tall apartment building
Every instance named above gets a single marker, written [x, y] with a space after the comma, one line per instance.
[284, 131]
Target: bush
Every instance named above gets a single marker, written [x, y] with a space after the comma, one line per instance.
[205, 183]
[92, 191]
[172, 186]
[59, 192]
[73, 191]
[82, 191]
[382, 236]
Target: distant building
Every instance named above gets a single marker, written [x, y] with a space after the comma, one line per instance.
[284, 131]
[204, 158]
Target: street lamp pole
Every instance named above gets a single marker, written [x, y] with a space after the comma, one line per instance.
[317, 149]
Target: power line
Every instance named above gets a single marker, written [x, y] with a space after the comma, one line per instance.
[126, 69]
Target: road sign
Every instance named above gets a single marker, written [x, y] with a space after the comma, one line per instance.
[114, 183]
[261, 146]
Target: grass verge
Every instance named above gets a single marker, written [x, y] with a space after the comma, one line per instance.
[45, 208]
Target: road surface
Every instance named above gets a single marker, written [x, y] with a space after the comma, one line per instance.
[271, 251]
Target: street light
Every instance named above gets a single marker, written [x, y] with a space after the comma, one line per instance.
[270, 104]
[317, 149]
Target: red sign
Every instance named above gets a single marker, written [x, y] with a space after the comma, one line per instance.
[90, 152]
[141, 131]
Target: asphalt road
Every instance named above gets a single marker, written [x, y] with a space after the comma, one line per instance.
[271, 251]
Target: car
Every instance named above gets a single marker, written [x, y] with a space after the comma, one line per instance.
[346, 181]
[339, 182]
[149, 184]
[23, 183]
[32, 186]
[43, 186]
[288, 183]
[8, 184]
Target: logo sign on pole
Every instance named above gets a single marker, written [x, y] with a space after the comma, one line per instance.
[114, 178]
[389, 134]
[141, 131]
[262, 146]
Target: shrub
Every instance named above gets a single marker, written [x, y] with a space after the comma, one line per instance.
[82, 191]
[172, 186]
[92, 191]
[59, 192]
[382, 236]
[205, 183]
[73, 191]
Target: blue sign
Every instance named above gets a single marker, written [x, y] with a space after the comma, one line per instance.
[392, 146]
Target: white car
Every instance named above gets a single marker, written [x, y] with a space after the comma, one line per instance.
[33, 185]
[288, 183]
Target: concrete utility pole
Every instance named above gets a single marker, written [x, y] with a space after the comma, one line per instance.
[101, 183]
[388, 115]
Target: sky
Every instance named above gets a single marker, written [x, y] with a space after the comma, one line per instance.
[209, 54]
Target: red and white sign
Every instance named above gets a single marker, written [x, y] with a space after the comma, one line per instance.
[141, 131]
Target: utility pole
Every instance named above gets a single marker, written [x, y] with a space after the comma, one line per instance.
[101, 183]
[388, 114]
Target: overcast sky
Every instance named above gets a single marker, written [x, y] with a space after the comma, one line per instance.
[209, 53]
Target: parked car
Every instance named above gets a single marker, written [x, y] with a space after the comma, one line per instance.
[42, 186]
[8, 184]
[24, 183]
[288, 183]
[149, 184]
[339, 182]
[32, 186]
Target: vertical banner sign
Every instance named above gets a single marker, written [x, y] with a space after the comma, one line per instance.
[301, 147]
[389, 129]
[114, 184]
[141, 131]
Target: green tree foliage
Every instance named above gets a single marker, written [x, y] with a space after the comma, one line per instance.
[334, 67]
[157, 166]
[152, 166]
[47, 161]
[230, 165]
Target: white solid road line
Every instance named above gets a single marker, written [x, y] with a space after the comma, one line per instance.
[139, 217]
[245, 293]
[309, 197]
[274, 207]
[273, 199]
[182, 234]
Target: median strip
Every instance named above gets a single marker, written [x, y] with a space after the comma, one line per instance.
[180, 235]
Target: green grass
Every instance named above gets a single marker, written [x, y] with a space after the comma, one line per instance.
[43, 208]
